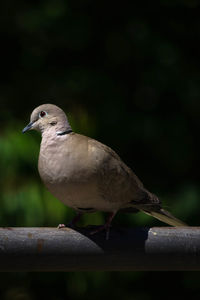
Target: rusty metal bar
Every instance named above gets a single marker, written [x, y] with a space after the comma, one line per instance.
[51, 249]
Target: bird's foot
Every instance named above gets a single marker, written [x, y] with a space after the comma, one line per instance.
[73, 222]
[61, 226]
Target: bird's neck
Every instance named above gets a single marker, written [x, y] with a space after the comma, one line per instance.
[57, 130]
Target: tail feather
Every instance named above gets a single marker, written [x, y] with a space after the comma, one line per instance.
[165, 216]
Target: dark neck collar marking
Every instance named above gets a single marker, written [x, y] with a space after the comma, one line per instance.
[65, 132]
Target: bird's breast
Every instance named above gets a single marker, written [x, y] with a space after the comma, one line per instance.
[78, 174]
[66, 174]
[60, 162]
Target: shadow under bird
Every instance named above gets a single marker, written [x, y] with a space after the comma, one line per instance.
[87, 175]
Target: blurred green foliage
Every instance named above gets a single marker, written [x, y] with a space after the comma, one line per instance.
[127, 74]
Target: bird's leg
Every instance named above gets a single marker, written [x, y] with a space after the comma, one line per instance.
[73, 222]
[106, 226]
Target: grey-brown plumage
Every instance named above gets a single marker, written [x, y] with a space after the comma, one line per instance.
[86, 174]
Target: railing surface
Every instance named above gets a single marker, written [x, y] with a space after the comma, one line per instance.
[128, 249]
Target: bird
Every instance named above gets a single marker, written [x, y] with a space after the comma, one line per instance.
[87, 175]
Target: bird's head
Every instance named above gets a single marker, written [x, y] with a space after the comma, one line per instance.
[46, 117]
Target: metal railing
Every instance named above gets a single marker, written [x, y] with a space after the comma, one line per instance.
[128, 249]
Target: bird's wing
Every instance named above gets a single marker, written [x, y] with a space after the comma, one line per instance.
[116, 180]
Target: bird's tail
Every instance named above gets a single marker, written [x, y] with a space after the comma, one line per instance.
[165, 216]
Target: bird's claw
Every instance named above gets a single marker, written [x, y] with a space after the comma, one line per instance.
[61, 226]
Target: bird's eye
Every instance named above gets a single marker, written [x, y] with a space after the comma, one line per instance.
[42, 114]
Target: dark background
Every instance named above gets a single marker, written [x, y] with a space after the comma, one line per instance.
[125, 74]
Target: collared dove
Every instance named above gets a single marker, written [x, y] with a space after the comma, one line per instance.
[86, 174]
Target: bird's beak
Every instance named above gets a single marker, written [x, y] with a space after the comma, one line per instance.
[28, 127]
